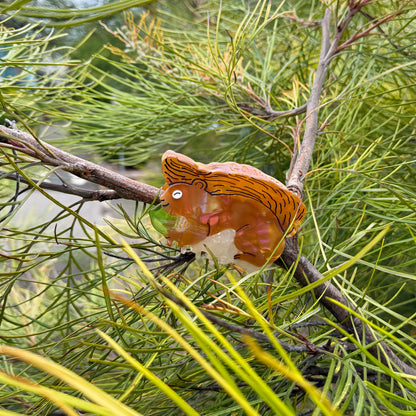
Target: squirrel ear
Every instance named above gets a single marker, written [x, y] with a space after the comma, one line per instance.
[200, 184]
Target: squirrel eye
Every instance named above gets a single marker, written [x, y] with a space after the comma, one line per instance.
[177, 194]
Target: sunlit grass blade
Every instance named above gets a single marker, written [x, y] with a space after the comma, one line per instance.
[213, 348]
[210, 370]
[332, 273]
[65, 402]
[388, 399]
[159, 384]
[93, 393]
[317, 396]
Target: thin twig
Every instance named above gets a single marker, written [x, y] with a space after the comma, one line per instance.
[86, 194]
[400, 49]
[303, 348]
[270, 115]
[367, 32]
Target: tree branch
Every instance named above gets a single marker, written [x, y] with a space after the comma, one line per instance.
[303, 158]
[306, 273]
[125, 187]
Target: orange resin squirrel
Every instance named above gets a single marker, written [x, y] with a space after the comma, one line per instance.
[208, 199]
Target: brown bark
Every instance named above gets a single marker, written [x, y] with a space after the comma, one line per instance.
[125, 187]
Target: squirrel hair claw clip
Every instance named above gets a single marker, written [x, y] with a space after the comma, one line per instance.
[234, 211]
